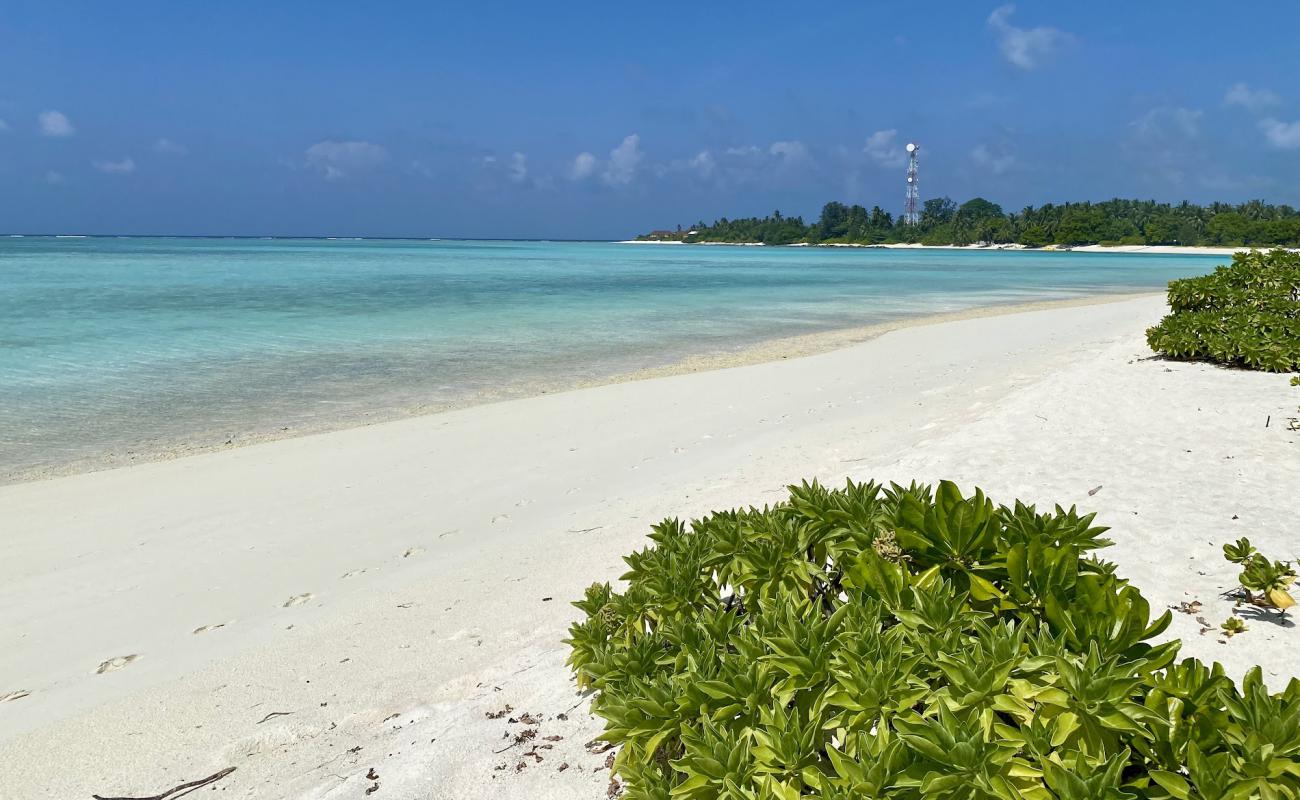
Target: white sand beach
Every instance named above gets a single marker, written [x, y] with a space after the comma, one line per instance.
[312, 611]
[1149, 249]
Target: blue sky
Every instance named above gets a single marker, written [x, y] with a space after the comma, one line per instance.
[602, 120]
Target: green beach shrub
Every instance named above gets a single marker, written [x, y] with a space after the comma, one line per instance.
[1264, 581]
[1246, 314]
[909, 642]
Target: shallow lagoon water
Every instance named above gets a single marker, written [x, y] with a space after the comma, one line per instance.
[118, 347]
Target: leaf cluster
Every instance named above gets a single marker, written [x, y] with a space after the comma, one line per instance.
[1245, 314]
[1265, 576]
[909, 642]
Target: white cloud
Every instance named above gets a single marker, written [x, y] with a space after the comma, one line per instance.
[123, 167]
[4, 126]
[518, 170]
[584, 164]
[789, 151]
[703, 164]
[883, 148]
[1024, 47]
[53, 177]
[1239, 94]
[168, 147]
[1167, 122]
[750, 164]
[1282, 135]
[997, 163]
[623, 161]
[54, 123]
[336, 159]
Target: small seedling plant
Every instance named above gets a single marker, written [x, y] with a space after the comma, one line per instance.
[910, 642]
[1233, 626]
[1264, 582]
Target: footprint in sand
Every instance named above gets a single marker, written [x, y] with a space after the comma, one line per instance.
[297, 600]
[500, 518]
[412, 551]
[18, 695]
[206, 628]
[114, 664]
[354, 573]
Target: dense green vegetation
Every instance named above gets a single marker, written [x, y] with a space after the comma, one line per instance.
[1142, 222]
[1245, 314]
[909, 643]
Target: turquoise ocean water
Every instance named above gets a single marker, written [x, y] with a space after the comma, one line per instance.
[130, 346]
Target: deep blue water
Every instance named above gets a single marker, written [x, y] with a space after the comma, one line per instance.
[116, 345]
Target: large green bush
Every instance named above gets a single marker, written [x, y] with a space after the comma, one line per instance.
[906, 643]
[1246, 314]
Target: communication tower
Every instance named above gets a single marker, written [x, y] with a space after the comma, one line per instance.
[911, 215]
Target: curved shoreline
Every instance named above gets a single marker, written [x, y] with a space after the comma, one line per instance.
[810, 344]
[395, 586]
[766, 350]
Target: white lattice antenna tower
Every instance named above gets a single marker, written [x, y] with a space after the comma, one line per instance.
[911, 213]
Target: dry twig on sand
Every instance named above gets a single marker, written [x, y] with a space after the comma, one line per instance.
[177, 791]
[273, 715]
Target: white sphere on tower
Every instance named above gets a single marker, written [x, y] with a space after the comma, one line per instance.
[911, 148]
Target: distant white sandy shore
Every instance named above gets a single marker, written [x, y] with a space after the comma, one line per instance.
[381, 601]
[1155, 249]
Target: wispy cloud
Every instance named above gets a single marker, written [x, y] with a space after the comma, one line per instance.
[623, 161]
[54, 123]
[996, 162]
[1026, 48]
[1165, 145]
[1166, 122]
[518, 169]
[789, 151]
[53, 178]
[124, 166]
[703, 164]
[168, 147]
[1282, 135]
[584, 164]
[883, 148]
[335, 159]
[1240, 94]
[774, 163]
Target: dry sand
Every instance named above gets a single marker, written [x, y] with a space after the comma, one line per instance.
[311, 609]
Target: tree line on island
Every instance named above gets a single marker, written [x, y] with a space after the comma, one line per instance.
[979, 221]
